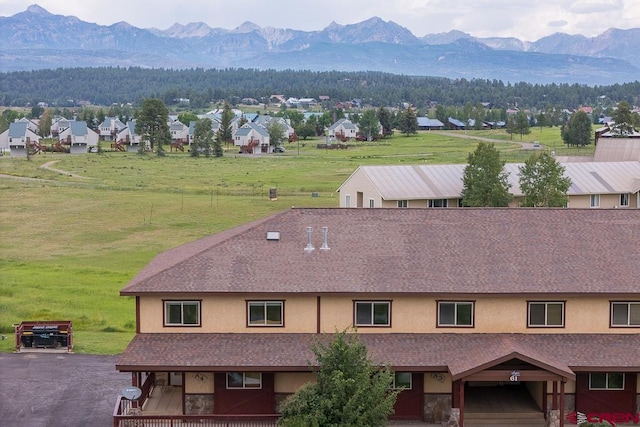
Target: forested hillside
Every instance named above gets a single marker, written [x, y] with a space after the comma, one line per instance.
[107, 86]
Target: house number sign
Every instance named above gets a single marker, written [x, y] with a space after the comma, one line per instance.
[515, 376]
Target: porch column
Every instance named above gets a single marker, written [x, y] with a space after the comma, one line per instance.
[135, 383]
[562, 403]
[544, 399]
[462, 404]
[554, 402]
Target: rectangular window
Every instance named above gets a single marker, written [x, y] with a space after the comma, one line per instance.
[182, 313]
[625, 314]
[265, 313]
[595, 201]
[546, 314]
[371, 203]
[347, 201]
[372, 313]
[606, 381]
[403, 203]
[437, 203]
[624, 200]
[241, 380]
[402, 380]
[455, 313]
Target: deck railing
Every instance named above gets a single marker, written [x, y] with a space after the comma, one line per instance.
[124, 415]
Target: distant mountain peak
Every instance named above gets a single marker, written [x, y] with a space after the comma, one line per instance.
[37, 10]
[246, 27]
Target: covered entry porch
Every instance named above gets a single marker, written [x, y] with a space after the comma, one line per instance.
[513, 389]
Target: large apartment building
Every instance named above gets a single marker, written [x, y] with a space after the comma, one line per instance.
[462, 304]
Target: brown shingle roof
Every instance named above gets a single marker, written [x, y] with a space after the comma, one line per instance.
[458, 353]
[471, 251]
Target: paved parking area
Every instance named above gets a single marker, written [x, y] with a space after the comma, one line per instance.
[58, 389]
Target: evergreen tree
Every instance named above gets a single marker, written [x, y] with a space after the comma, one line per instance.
[623, 119]
[217, 145]
[384, 117]
[369, 125]
[350, 391]
[408, 123]
[226, 129]
[578, 130]
[152, 124]
[543, 183]
[277, 132]
[203, 137]
[522, 124]
[485, 182]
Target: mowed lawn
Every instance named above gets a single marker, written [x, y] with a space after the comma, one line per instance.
[72, 238]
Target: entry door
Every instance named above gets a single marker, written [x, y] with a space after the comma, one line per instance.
[409, 403]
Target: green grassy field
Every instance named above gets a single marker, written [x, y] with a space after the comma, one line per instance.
[70, 243]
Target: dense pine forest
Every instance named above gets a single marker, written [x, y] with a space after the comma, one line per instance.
[114, 85]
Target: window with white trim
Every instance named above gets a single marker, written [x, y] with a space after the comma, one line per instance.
[243, 380]
[437, 203]
[265, 313]
[455, 313]
[594, 201]
[545, 314]
[402, 381]
[372, 203]
[372, 313]
[625, 313]
[624, 200]
[347, 201]
[606, 381]
[182, 313]
[403, 203]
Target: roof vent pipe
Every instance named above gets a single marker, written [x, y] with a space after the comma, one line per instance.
[325, 238]
[309, 246]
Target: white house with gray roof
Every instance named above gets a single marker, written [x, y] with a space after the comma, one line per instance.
[252, 138]
[343, 129]
[17, 138]
[110, 128]
[78, 137]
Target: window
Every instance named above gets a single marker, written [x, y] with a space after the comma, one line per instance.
[373, 313]
[265, 313]
[437, 203]
[402, 380]
[371, 203]
[455, 313]
[182, 313]
[624, 200]
[546, 314]
[403, 203]
[595, 201]
[625, 314]
[606, 381]
[241, 380]
[347, 201]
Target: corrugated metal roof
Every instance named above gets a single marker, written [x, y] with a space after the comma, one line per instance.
[17, 129]
[79, 128]
[445, 181]
[617, 150]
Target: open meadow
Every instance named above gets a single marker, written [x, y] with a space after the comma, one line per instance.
[76, 228]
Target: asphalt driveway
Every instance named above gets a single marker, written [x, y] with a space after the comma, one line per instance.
[58, 389]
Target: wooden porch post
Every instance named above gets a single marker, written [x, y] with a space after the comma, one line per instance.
[135, 383]
[462, 403]
[562, 403]
[544, 399]
[555, 395]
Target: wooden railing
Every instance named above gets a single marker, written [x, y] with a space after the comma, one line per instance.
[125, 415]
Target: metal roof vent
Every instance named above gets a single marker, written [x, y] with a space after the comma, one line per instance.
[325, 239]
[309, 246]
[273, 235]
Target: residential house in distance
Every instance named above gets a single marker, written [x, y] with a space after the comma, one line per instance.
[265, 121]
[425, 123]
[78, 137]
[19, 138]
[475, 311]
[455, 124]
[342, 130]
[59, 123]
[252, 138]
[127, 139]
[179, 135]
[596, 185]
[110, 128]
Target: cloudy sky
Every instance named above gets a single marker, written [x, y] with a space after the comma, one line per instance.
[525, 19]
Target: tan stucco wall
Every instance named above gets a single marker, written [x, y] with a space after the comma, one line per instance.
[410, 314]
[607, 201]
[358, 182]
[437, 382]
[198, 382]
[290, 382]
[228, 314]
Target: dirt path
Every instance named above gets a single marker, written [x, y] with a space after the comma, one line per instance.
[48, 166]
[457, 134]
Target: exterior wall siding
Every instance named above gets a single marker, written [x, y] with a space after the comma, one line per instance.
[409, 314]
